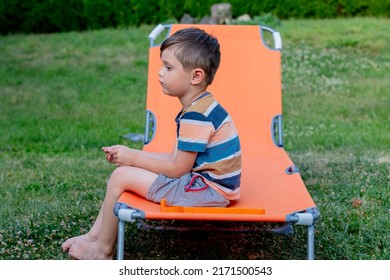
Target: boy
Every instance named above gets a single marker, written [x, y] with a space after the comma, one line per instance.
[204, 168]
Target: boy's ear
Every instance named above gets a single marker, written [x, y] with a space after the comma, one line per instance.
[198, 76]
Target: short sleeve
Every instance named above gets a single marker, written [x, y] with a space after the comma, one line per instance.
[195, 131]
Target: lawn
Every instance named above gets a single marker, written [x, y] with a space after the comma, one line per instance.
[64, 96]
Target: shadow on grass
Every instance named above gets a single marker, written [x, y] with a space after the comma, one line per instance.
[212, 244]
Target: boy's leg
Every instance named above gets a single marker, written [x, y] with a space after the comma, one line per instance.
[91, 235]
[124, 178]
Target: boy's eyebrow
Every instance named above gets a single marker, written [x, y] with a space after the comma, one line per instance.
[164, 61]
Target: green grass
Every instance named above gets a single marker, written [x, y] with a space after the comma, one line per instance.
[64, 96]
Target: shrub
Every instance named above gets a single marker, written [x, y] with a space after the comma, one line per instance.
[42, 16]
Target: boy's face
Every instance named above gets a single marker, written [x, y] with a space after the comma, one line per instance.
[174, 80]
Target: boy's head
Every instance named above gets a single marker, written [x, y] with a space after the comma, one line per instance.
[194, 48]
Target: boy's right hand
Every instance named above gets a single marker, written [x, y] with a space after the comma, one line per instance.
[109, 155]
[120, 155]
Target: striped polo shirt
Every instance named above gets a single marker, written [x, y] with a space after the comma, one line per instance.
[206, 127]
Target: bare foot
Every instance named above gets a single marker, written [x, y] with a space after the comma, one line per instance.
[68, 243]
[83, 249]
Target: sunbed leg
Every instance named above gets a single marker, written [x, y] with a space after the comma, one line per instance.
[307, 219]
[121, 240]
[310, 242]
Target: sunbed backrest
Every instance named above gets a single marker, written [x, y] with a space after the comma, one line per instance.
[247, 84]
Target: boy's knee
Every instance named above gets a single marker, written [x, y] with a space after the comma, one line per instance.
[119, 173]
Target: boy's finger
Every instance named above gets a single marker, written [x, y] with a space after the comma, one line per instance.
[110, 150]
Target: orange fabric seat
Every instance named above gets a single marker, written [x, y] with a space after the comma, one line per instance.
[248, 84]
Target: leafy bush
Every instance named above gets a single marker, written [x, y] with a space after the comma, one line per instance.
[43, 16]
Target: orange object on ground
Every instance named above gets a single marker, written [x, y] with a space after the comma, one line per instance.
[248, 85]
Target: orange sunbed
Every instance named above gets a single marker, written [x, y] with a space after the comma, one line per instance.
[248, 84]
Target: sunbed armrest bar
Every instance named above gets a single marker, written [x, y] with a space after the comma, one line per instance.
[150, 127]
[157, 31]
[278, 40]
[277, 130]
[276, 36]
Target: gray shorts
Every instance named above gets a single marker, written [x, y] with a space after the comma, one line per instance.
[188, 190]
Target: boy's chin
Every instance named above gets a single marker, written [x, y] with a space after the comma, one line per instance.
[168, 93]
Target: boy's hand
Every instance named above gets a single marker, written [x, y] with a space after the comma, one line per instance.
[107, 151]
[120, 155]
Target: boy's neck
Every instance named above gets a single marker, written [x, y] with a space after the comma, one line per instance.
[186, 102]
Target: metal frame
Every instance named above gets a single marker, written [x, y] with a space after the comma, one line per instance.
[128, 214]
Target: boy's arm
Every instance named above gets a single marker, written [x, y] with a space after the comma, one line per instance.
[163, 156]
[172, 165]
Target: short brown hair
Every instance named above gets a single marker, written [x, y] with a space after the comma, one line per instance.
[195, 49]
